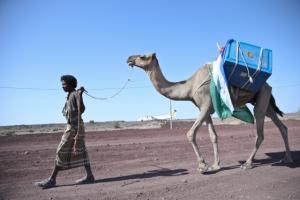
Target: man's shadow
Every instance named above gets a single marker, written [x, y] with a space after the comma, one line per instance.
[274, 159]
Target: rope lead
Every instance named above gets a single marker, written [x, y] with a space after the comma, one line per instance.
[115, 94]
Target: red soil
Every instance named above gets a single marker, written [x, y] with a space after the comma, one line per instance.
[155, 164]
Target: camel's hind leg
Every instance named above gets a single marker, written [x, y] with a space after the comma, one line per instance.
[284, 133]
[260, 109]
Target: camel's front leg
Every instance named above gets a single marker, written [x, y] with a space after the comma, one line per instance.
[191, 135]
[214, 140]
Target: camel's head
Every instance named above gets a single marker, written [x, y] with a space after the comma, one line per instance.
[146, 62]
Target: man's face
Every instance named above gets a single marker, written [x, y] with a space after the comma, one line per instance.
[65, 86]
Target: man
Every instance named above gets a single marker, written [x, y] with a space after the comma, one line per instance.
[71, 151]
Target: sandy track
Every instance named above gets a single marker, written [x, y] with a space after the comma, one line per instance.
[155, 164]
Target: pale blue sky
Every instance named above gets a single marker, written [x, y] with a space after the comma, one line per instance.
[42, 40]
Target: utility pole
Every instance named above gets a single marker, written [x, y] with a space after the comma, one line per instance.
[171, 117]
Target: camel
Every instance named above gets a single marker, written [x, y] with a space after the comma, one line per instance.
[197, 90]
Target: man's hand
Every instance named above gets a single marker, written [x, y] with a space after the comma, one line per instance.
[75, 151]
[80, 90]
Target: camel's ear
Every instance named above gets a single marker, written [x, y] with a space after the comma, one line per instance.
[153, 55]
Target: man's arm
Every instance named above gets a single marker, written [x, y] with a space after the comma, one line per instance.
[81, 109]
[79, 93]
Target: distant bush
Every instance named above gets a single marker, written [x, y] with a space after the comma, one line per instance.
[92, 122]
[116, 124]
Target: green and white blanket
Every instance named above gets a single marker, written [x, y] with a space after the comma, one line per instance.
[221, 97]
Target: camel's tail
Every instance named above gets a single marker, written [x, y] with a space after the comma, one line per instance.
[274, 106]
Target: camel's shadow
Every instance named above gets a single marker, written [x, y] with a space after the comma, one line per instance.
[274, 159]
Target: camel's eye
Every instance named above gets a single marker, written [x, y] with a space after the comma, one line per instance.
[143, 57]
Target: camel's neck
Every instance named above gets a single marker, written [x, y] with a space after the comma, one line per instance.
[172, 90]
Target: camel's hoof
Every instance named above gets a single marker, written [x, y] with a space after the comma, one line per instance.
[203, 168]
[246, 166]
[214, 168]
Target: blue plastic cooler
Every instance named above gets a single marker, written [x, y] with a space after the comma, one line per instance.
[246, 66]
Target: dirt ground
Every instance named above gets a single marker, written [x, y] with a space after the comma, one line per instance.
[155, 164]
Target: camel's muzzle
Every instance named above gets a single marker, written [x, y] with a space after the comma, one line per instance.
[130, 63]
[131, 60]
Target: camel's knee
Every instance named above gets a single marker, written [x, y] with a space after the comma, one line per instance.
[212, 133]
[213, 137]
[191, 136]
[260, 138]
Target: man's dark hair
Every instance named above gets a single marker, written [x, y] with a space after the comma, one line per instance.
[70, 80]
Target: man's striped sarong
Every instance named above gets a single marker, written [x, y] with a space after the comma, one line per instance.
[65, 157]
